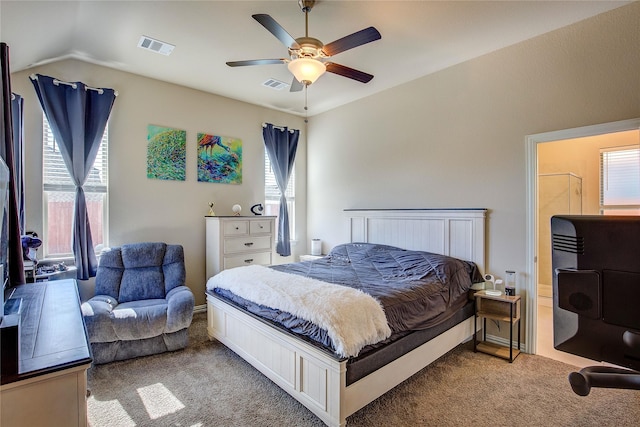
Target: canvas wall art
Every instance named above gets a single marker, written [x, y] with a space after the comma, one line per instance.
[219, 159]
[166, 153]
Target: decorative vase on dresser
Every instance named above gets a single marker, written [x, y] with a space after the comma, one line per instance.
[234, 241]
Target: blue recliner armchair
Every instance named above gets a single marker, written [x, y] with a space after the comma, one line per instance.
[141, 304]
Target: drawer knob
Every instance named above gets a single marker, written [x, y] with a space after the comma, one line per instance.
[248, 244]
[248, 261]
[261, 226]
[237, 228]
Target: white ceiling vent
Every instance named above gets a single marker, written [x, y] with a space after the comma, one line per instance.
[155, 45]
[275, 84]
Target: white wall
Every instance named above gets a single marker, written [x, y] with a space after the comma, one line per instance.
[457, 138]
[142, 209]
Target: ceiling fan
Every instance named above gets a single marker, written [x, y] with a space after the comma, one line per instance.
[308, 56]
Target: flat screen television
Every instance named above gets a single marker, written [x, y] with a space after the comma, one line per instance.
[596, 293]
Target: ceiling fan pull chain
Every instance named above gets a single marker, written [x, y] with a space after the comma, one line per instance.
[306, 113]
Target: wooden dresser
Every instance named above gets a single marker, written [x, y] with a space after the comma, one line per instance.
[234, 241]
[50, 388]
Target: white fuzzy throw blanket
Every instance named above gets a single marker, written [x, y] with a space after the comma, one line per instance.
[352, 318]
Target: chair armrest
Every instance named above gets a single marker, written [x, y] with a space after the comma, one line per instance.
[98, 305]
[97, 318]
[180, 304]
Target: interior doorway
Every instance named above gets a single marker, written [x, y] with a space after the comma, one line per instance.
[562, 178]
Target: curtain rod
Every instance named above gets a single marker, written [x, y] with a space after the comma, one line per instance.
[73, 85]
[264, 125]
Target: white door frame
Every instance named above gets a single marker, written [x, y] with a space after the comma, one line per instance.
[532, 142]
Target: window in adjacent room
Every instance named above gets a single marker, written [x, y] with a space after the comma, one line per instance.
[620, 181]
[272, 195]
[59, 192]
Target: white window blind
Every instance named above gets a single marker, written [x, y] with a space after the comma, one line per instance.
[271, 190]
[272, 195]
[55, 174]
[59, 193]
[620, 178]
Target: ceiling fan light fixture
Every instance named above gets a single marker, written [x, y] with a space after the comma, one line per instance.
[306, 70]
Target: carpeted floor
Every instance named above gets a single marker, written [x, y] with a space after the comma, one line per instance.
[208, 385]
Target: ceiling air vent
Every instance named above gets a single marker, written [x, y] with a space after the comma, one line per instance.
[155, 45]
[275, 84]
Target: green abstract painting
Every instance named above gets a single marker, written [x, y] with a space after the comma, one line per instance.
[166, 153]
[219, 159]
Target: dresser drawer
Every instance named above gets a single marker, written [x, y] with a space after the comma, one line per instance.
[259, 258]
[246, 244]
[260, 226]
[236, 228]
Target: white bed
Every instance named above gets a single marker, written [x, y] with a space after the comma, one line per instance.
[318, 380]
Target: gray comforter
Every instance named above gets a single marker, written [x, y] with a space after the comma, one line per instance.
[415, 288]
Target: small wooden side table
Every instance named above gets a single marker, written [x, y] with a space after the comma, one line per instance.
[502, 308]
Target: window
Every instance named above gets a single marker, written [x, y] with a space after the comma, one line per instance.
[620, 181]
[272, 195]
[59, 192]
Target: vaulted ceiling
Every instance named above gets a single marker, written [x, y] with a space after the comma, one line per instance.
[418, 38]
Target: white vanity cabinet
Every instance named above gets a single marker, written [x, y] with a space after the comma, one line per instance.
[234, 241]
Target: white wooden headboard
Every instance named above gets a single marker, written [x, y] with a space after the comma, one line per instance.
[458, 233]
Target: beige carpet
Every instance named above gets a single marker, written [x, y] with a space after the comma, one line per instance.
[208, 385]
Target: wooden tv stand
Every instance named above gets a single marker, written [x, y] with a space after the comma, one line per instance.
[51, 385]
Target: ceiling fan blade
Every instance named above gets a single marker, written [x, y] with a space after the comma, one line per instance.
[256, 62]
[296, 86]
[276, 29]
[341, 70]
[353, 40]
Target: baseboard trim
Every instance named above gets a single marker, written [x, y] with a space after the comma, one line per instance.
[200, 308]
